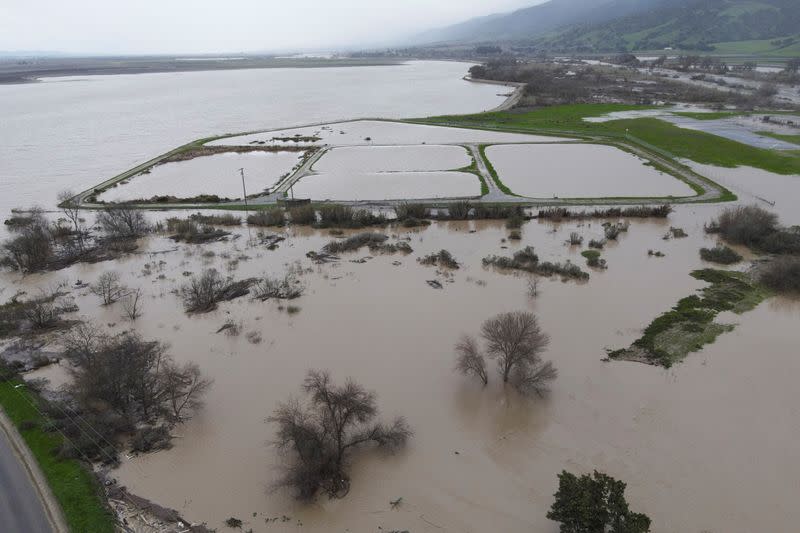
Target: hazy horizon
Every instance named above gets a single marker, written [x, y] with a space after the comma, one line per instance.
[93, 27]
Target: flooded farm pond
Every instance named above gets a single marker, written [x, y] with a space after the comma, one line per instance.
[694, 443]
[579, 171]
[390, 172]
[216, 174]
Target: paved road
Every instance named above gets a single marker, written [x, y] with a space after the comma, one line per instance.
[21, 509]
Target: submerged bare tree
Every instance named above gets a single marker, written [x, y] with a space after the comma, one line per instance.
[516, 342]
[108, 288]
[123, 222]
[132, 304]
[470, 361]
[321, 435]
[43, 311]
[184, 387]
[32, 248]
[133, 377]
[71, 210]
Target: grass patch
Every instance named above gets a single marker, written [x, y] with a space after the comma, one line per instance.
[76, 490]
[689, 325]
[492, 172]
[680, 142]
[794, 139]
[708, 116]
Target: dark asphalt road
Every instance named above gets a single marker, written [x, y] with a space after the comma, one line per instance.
[21, 510]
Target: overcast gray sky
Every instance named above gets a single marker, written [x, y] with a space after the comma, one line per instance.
[201, 26]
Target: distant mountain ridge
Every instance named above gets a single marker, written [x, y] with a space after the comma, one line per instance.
[629, 25]
[533, 21]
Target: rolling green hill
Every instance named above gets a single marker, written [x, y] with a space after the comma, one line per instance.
[753, 27]
[693, 25]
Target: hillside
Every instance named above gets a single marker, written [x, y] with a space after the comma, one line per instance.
[530, 22]
[693, 25]
[587, 26]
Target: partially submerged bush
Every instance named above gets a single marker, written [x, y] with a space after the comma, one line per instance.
[575, 239]
[189, 231]
[441, 258]
[268, 217]
[354, 242]
[495, 212]
[29, 251]
[287, 288]
[558, 213]
[527, 261]
[612, 231]
[593, 259]
[123, 222]
[459, 210]
[304, 215]
[744, 224]
[225, 219]
[757, 228]
[515, 221]
[320, 436]
[407, 210]
[782, 274]
[202, 293]
[721, 254]
[344, 216]
[597, 244]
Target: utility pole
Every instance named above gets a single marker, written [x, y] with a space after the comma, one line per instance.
[246, 211]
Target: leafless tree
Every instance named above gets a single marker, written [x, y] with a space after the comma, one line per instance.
[32, 249]
[517, 341]
[202, 293]
[533, 287]
[108, 288]
[470, 360]
[70, 209]
[133, 377]
[43, 311]
[184, 387]
[123, 222]
[533, 378]
[132, 304]
[321, 435]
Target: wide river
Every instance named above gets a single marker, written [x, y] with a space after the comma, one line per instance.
[73, 132]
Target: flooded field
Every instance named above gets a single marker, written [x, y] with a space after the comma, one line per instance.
[214, 174]
[387, 186]
[393, 159]
[390, 172]
[775, 192]
[694, 443]
[745, 129]
[579, 171]
[378, 132]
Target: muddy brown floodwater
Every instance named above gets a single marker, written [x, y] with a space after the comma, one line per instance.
[707, 446]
